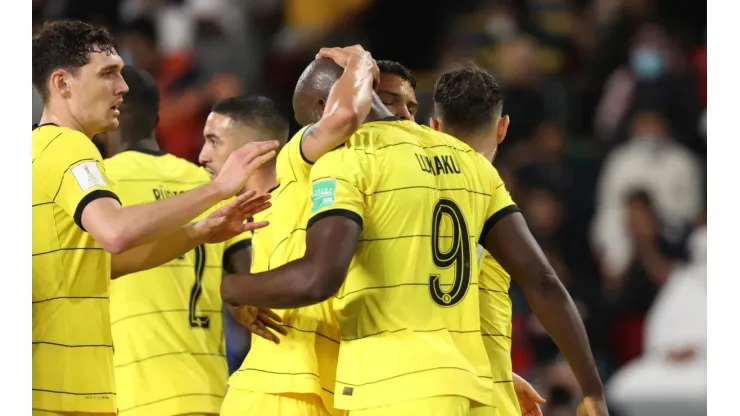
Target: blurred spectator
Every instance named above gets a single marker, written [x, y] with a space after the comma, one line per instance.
[670, 378]
[183, 95]
[667, 171]
[657, 76]
[632, 293]
[531, 97]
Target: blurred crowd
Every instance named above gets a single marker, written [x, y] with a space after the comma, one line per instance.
[606, 153]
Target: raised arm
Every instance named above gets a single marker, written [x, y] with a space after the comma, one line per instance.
[348, 103]
[118, 228]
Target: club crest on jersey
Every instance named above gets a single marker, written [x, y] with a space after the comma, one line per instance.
[322, 194]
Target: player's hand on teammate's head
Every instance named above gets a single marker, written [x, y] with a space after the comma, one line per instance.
[231, 220]
[592, 406]
[342, 57]
[529, 399]
[241, 164]
[259, 321]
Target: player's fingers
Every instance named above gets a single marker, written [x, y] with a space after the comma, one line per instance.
[255, 149]
[255, 204]
[274, 325]
[269, 313]
[251, 226]
[532, 394]
[264, 333]
[260, 160]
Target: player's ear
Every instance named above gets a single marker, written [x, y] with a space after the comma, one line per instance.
[435, 124]
[502, 128]
[58, 82]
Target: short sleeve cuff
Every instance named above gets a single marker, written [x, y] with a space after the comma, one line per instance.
[92, 196]
[236, 247]
[336, 212]
[494, 219]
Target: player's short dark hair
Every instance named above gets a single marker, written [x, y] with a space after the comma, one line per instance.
[395, 68]
[65, 45]
[468, 98]
[255, 111]
[140, 106]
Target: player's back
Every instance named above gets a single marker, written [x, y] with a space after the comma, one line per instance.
[422, 198]
[305, 359]
[72, 346]
[167, 321]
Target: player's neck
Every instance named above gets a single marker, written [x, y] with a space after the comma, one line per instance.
[378, 110]
[263, 179]
[148, 144]
[63, 118]
[483, 142]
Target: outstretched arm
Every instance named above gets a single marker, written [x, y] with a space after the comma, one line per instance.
[511, 243]
[223, 224]
[330, 245]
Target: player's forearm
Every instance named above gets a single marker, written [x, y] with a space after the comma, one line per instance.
[346, 108]
[293, 285]
[144, 223]
[155, 253]
[557, 313]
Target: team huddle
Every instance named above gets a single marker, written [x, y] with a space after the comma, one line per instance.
[370, 255]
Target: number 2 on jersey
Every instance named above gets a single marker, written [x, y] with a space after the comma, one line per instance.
[458, 254]
[200, 266]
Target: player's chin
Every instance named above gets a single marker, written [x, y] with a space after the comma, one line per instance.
[112, 124]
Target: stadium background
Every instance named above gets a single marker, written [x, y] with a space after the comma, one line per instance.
[606, 154]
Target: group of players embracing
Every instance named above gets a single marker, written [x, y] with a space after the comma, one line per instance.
[371, 254]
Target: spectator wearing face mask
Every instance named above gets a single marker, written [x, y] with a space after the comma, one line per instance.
[656, 75]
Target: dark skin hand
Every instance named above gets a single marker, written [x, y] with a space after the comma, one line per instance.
[259, 321]
[330, 245]
[512, 244]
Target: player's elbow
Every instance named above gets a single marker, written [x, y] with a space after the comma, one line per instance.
[113, 242]
[324, 283]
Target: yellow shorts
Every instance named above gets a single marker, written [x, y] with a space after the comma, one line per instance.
[250, 403]
[36, 412]
[430, 406]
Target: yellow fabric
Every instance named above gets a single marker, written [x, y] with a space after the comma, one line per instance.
[495, 306]
[406, 299]
[249, 403]
[36, 412]
[305, 360]
[167, 321]
[430, 406]
[72, 346]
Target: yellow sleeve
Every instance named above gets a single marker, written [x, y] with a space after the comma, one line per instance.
[500, 204]
[74, 174]
[338, 185]
[292, 162]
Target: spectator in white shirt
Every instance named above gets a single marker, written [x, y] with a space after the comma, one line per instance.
[652, 161]
[670, 378]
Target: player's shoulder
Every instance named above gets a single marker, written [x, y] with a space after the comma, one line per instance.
[51, 142]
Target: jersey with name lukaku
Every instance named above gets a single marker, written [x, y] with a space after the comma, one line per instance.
[305, 359]
[410, 299]
[167, 321]
[72, 348]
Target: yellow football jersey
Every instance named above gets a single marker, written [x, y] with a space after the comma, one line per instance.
[423, 200]
[167, 321]
[72, 347]
[305, 359]
[495, 310]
